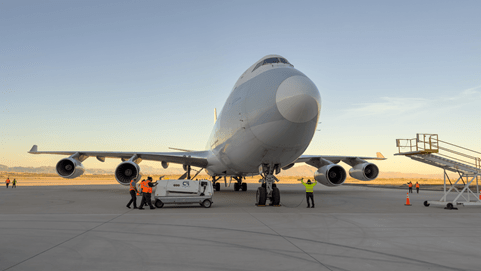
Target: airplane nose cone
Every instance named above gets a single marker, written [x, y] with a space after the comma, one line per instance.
[298, 99]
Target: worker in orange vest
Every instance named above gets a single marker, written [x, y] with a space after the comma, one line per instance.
[7, 181]
[133, 197]
[417, 187]
[146, 186]
[410, 184]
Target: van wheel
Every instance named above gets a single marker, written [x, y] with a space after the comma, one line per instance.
[159, 203]
[206, 203]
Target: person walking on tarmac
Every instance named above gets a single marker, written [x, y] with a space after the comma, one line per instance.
[417, 187]
[133, 197]
[410, 184]
[7, 181]
[14, 183]
[146, 186]
[309, 191]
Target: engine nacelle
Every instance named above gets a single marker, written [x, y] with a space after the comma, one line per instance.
[69, 168]
[364, 172]
[330, 175]
[126, 171]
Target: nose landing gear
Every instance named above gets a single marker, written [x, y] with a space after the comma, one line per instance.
[268, 189]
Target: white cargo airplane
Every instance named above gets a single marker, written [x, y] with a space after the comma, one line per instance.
[265, 126]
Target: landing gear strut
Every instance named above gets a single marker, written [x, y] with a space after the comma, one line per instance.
[268, 189]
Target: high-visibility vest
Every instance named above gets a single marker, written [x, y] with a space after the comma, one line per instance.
[410, 185]
[417, 185]
[143, 186]
[7, 181]
[309, 187]
[149, 189]
[132, 185]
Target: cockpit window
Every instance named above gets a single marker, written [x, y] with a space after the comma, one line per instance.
[271, 61]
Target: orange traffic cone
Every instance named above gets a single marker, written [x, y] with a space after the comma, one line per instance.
[408, 203]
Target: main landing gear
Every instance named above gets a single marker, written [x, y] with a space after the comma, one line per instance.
[238, 185]
[268, 189]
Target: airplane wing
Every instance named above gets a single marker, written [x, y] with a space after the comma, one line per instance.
[322, 160]
[193, 158]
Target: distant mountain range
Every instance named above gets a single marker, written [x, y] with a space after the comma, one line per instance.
[303, 170]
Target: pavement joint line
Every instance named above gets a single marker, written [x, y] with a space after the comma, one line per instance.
[291, 243]
[61, 243]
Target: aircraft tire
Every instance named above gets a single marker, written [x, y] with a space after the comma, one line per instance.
[276, 196]
[261, 196]
[244, 186]
[236, 187]
[217, 187]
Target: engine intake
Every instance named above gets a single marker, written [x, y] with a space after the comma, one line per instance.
[126, 171]
[364, 172]
[69, 168]
[330, 175]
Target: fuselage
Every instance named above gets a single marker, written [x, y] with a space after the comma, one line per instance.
[270, 117]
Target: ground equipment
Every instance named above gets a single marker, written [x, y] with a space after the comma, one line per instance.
[183, 192]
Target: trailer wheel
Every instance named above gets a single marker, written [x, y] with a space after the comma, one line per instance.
[449, 206]
[426, 203]
[206, 203]
[159, 203]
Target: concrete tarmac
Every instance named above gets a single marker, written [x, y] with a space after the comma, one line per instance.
[351, 228]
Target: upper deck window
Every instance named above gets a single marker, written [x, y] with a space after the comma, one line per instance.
[271, 61]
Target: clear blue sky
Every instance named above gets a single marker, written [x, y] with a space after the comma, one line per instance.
[147, 75]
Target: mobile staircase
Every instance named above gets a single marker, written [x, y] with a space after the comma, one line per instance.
[428, 149]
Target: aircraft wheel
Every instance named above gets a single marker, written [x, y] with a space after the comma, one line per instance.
[261, 196]
[276, 196]
[159, 203]
[206, 203]
[236, 187]
[244, 186]
[217, 186]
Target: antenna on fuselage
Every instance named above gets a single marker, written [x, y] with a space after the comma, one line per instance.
[215, 115]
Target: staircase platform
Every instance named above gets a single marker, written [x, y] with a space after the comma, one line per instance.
[425, 148]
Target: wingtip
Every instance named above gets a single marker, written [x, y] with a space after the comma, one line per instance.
[379, 155]
[33, 149]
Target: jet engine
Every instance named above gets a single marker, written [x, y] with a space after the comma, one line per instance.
[330, 175]
[69, 168]
[126, 171]
[364, 172]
